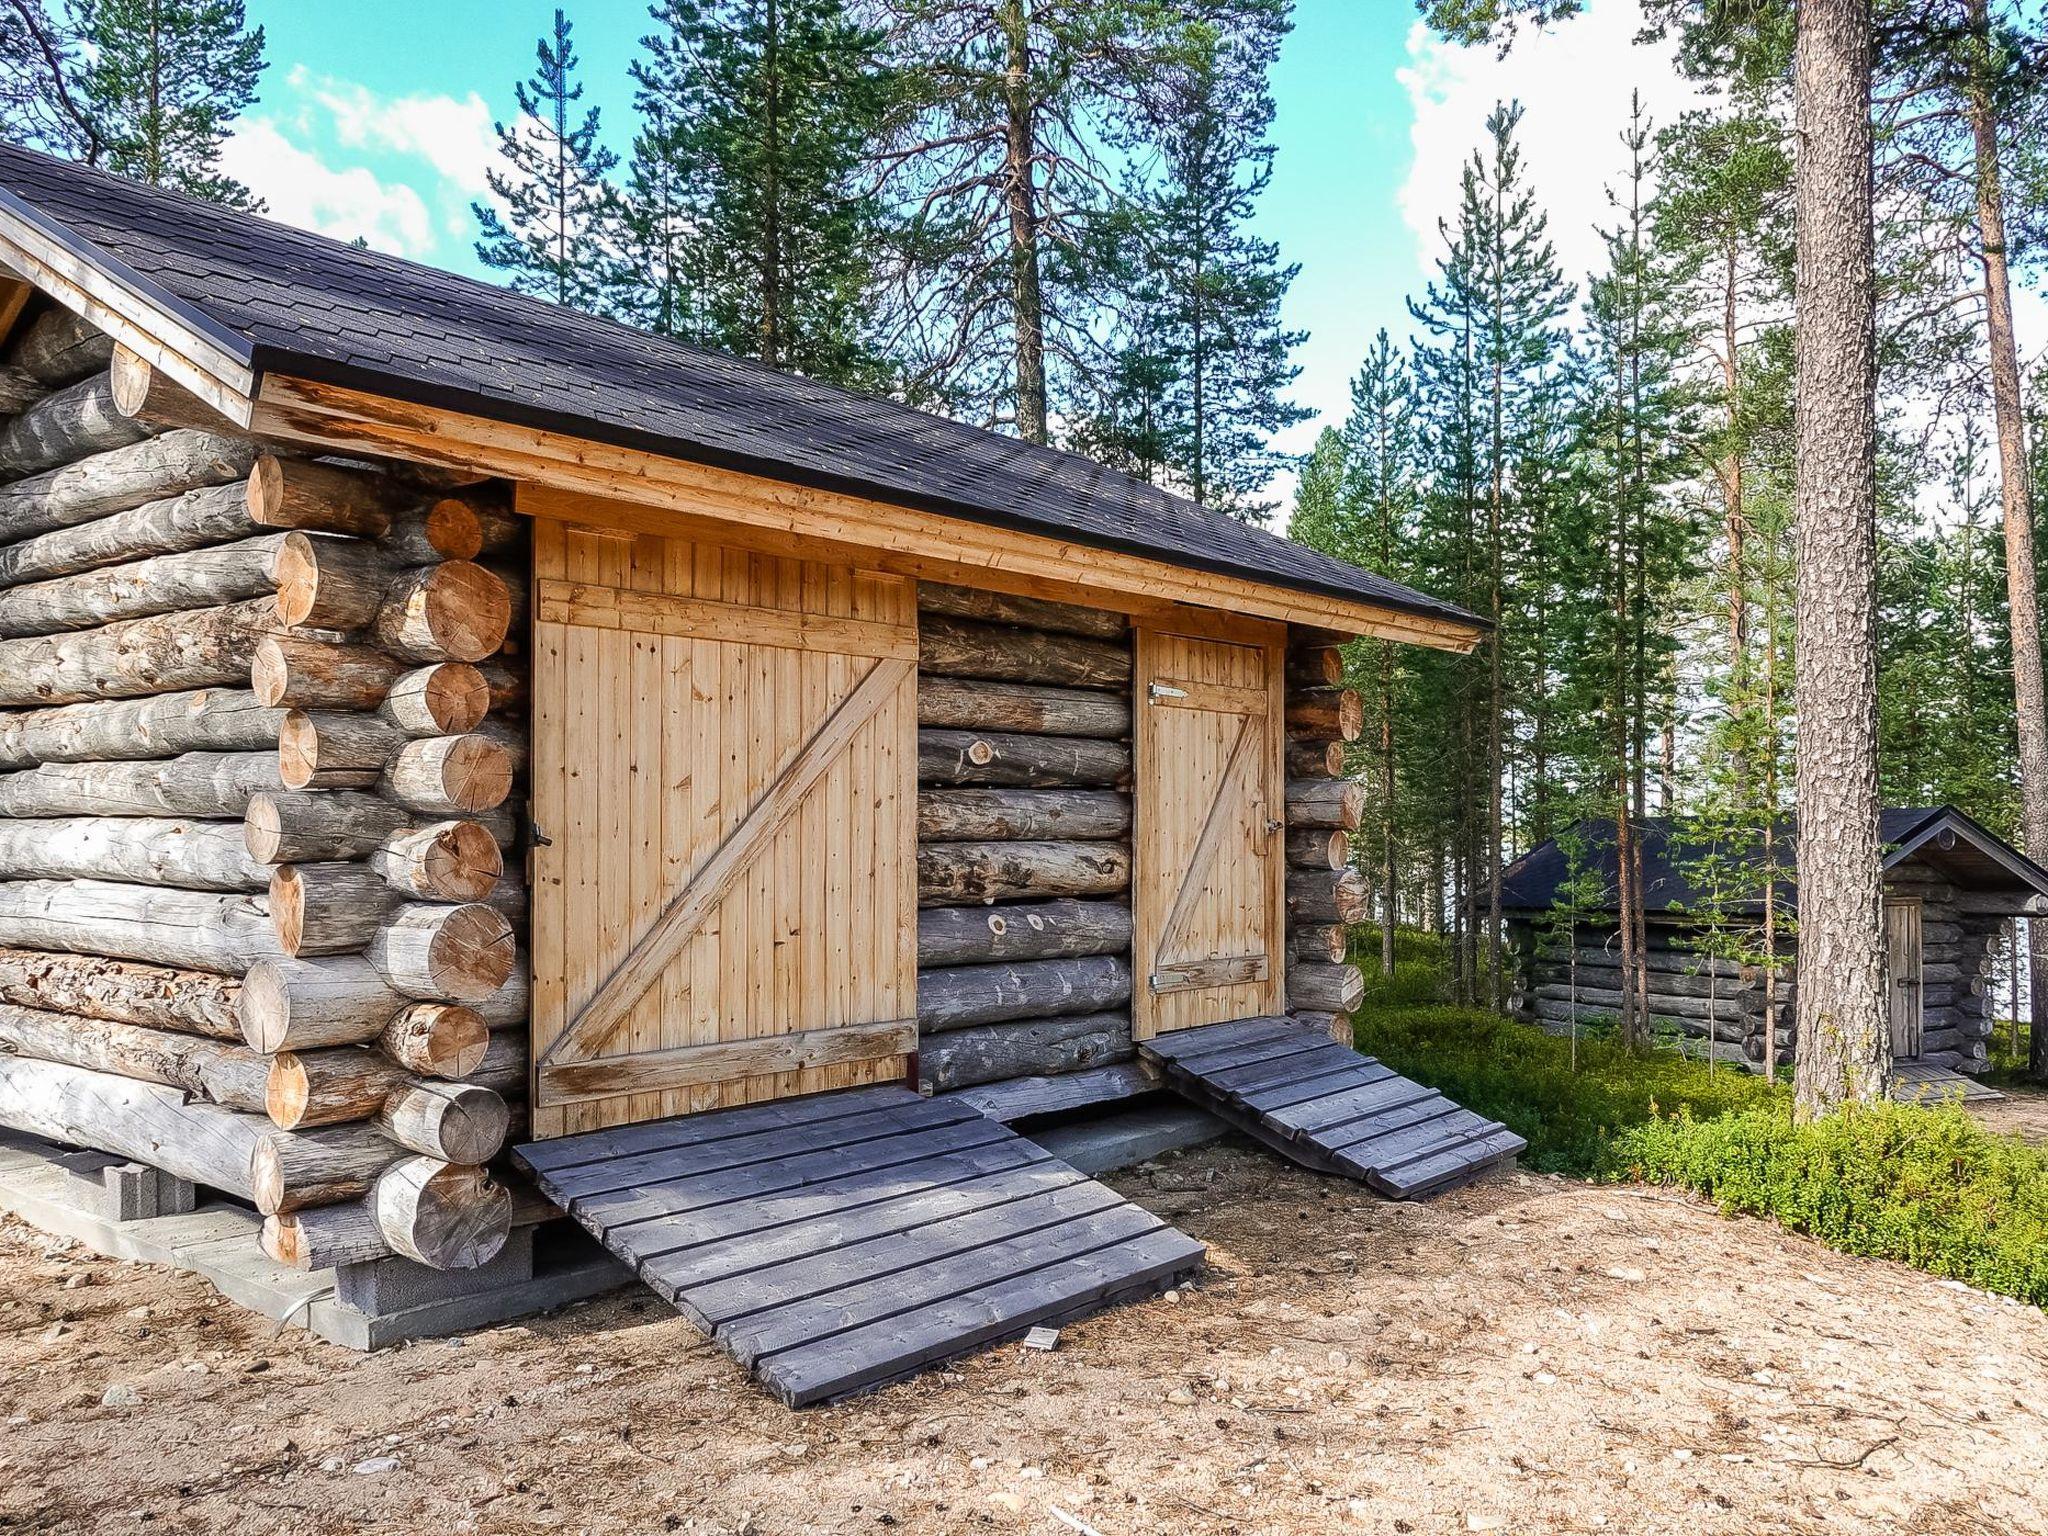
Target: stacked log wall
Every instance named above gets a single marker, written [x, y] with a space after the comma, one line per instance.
[1692, 996]
[1959, 950]
[1695, 997]
[259, 912]
[1024, 837]
[1326, 896]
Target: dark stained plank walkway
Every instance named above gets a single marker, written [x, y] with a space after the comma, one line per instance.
[1921, 1082]
[837, 1242]
[1327, 1107]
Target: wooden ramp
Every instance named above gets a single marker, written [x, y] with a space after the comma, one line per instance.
[1325, 1106]
[837, 1242]
[1921, 1082]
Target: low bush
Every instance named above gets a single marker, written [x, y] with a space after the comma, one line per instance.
[1927, 1186]
[1422, 962]
[1526, 1079]
[2007, 1050]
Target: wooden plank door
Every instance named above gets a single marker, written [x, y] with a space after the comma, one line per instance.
[1904, 981]
[1208, 899]
[724, 773]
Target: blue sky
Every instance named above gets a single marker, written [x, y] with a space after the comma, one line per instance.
[375, 119]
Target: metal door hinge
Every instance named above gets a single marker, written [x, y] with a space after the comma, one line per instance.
[540, 838]
[1158, 691]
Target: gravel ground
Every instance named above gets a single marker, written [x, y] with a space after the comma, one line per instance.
[1524, 1355]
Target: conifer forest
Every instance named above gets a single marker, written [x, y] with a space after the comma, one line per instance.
[1043, 216]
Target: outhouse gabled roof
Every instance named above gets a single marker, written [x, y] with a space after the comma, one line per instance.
[278, 300]
[1680, 867]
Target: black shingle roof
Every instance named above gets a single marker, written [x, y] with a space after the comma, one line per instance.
[290, 302]
[1673, 860]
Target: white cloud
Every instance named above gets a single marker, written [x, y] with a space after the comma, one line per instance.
[303, 189]
[1574, 83]
[452, 134]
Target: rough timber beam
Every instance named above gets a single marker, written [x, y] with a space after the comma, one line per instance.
[605, 487]
[212, 366]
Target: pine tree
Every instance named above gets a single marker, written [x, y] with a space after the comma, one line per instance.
[1639, 432]
[1207, 293]
[1495, 344]
[1449, 383]
[557, 236]
[758, 237]
[1358, 499]
[1724, 209]
[1382, 493]
[1321, 514]
[161, 83]
[998, 156]
[42, 103]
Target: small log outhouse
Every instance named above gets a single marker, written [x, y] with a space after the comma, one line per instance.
[435, 720]
[1952, 890]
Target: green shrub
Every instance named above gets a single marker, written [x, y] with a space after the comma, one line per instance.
[2007, 1050]
[1525, 1079]
[1422, 967]
[1929, 1187]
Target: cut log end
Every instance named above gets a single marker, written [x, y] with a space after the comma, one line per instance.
[448, 861]
[446, 698]
[461, 954]
[441, 1216]
[445, 1040]
[463, 1123]
[455, 611]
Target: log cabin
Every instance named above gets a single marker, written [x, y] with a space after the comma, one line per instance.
[434, 722]
[1952, 891]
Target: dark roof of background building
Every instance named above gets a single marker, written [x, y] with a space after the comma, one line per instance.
[295, 303]
[1679, 867]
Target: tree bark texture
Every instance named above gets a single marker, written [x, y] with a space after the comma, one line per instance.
[1844, 1048]
[1045, 930]
[985, 607]
[155, 469]
[974, 815]
[122, 992]
[2022, 585]
[121, 730]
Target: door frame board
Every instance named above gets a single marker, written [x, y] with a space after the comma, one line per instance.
[1151, 903]
[1918, 905]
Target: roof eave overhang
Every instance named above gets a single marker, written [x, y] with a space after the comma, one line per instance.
[2026, 874]
[324, 402]
[214, 363]
[332, 405]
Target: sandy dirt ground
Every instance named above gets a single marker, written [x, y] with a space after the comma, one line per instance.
[2023, 1112]
[1524, 1355]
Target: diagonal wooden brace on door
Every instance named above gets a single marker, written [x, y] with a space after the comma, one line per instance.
[679, 921]
[1229, 792]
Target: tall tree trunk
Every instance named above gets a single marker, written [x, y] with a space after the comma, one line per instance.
[2023, 596]
[1770, 826]
[1496, 710]
[1020, 160]
[1731, 473]
[1844, 1049]
[1388, 872]
[773, 341]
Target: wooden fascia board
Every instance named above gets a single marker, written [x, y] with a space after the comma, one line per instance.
[599, 485]
[1984, 841]
[137, 319]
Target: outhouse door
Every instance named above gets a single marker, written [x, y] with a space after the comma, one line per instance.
[1905, 991]
[725, 802]
[1208, 901]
